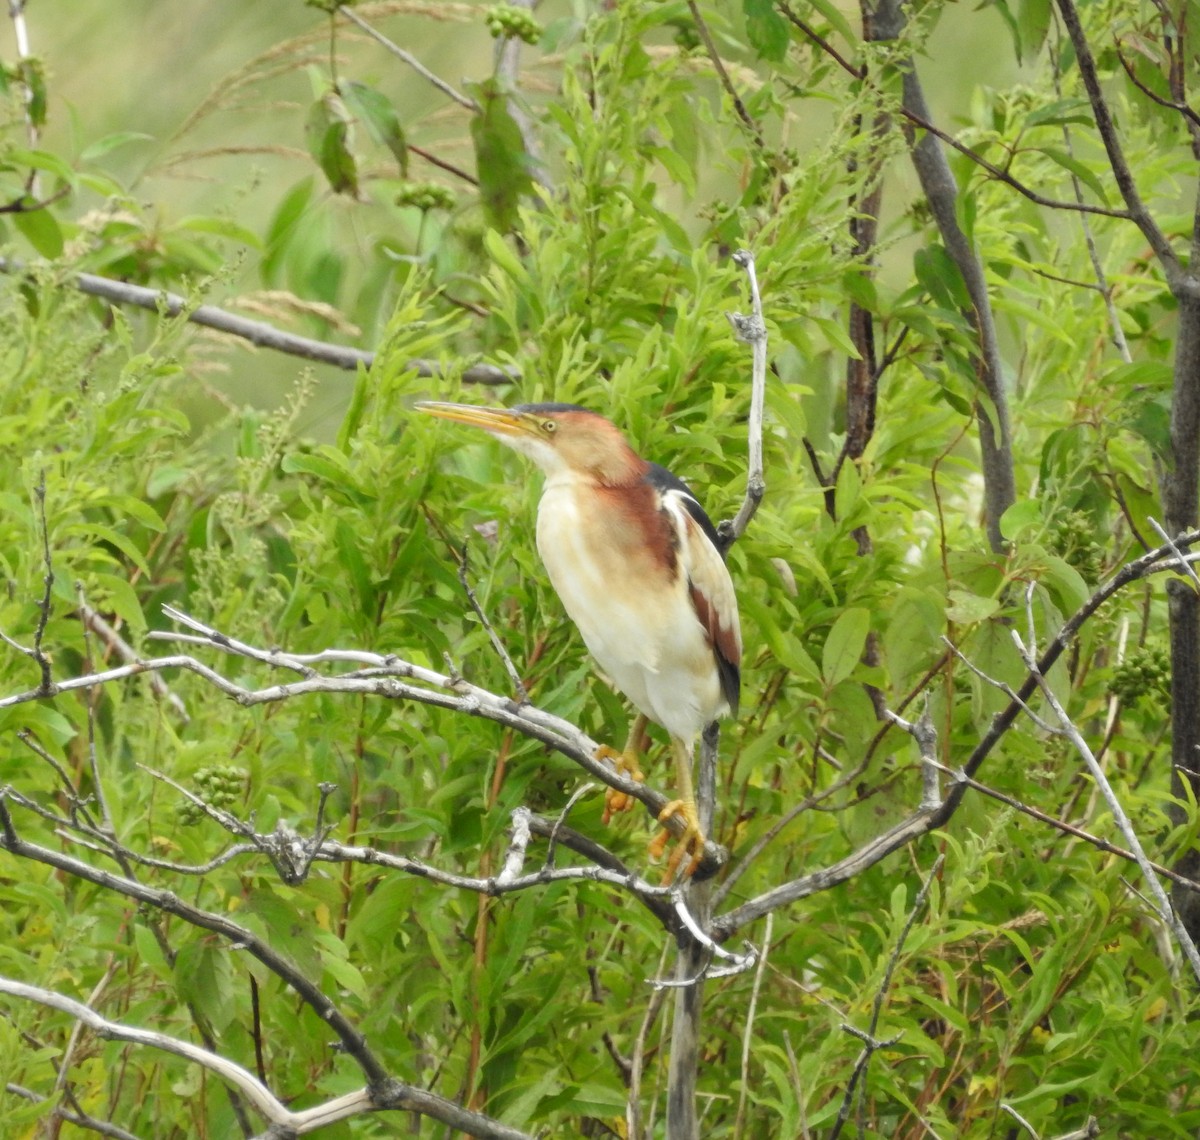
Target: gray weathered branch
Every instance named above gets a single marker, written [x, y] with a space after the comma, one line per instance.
[255, 332]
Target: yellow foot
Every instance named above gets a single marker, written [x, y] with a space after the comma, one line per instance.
[626, 763]
[690, 843]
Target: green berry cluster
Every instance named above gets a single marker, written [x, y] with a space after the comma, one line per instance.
[1144, 673]
[425, 196]
[219, 787]
[1074, 538]
[513, 23]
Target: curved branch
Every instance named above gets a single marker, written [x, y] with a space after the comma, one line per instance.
[387, 1093]
[384, 676]
[927, 819]
[351, 1040]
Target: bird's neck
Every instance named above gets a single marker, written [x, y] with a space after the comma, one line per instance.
[617, 469]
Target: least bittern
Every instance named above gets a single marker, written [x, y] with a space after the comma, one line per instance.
[639, 569]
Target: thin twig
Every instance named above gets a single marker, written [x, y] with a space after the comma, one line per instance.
[957, 776]
[871, 1044]
[1184, 564]
[748, 1032]
[126, 652]
[412, 61]
[925, 734]
[385, 1093]
[715, 58]
[1005, 1107]
[519, 689]
[637, 1059]
[106, 819]
[1141, 217]
[80, 1120]
[39, 633]
[351, 1040]
[1162, 904]
[1102, 283]
[1003, 686]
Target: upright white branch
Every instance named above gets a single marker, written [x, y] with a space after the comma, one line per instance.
[753, 330]
[1161, 902]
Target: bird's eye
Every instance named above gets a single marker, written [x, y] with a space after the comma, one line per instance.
[549, 427]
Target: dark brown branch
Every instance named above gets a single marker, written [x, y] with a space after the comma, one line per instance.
[941, 191]
[1186, 111]
[922, 821]
[715, 57]
[351, 1040]
[1112, 144]
[924, 124]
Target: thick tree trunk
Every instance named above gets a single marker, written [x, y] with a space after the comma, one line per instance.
[1180, 491]
[941, 191]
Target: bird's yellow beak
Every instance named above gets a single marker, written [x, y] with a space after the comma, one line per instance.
[498, 421]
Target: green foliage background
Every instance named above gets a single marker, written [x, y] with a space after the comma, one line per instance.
[330, 516]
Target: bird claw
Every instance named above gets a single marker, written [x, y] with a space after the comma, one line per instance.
[690, 843]
[626, 764]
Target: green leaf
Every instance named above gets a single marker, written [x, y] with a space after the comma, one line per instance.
[844, 645]
[45, 160]
[204, 979]
[41, 229]
[328, 132]
[221, 227]
[1084, 173]
[33, 75]
[766, 28]
[372, 108]
[284, 226]
[111, 142]
[966, 608]
[837, 20]
[1023, 515]
[501, 162]
[941, 278]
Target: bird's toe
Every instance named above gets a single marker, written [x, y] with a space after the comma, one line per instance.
[627, 765]
[690, 844]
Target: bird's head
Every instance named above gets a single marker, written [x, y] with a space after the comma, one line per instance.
[559, 438]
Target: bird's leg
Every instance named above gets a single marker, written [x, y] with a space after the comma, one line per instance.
[626, 763]
[691, 842]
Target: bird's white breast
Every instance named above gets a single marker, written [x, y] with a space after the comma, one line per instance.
[635, 613]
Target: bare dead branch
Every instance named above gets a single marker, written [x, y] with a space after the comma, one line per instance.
[258, 333]
[99, 626]
[80, 1120]
[385, 1093]
[924, 733]
[1161, 903]
[753, 330]
[351, 1040]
